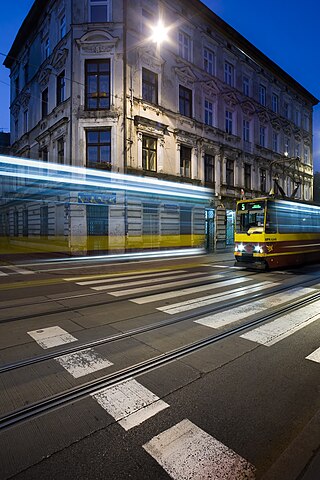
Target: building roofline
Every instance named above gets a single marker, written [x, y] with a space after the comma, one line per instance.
[250, 50]
[239, 40]
[26, 27]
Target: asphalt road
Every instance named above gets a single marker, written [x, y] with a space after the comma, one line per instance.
[244, 407]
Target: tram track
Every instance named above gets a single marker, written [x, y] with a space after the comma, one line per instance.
[164, 323]
[112, 301]
[79, 392]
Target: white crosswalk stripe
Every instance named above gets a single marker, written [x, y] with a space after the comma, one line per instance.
[128, 277]
[314, 356]
[217, 320]
[145, 288]
[185, 451]
[211, 299]
[14, 270]
[284, 326]
[188, 291]
[151, 281]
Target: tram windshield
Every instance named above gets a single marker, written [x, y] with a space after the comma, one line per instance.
[250, 217]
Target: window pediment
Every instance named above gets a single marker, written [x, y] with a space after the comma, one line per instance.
[97, 41]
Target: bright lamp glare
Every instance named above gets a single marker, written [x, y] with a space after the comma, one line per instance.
[160, 33]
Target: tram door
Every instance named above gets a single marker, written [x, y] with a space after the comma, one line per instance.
[230, 224]
[209, 229]
[97, 228]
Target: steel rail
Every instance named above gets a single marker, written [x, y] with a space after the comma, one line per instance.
[153, 326]
[110, 302]
[77, 393]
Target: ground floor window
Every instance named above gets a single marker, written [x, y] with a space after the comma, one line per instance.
[98, 151]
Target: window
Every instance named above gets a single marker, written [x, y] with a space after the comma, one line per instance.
[230, 173]
[306, 122]
[306, 155]
[25, 223]
[100, 10]
[229, 122]
[208, 112]
[184, 46]
[62, 26]
[44, 221]
[43, 154]
[25, 121]
[297, 118]
[60, 151]
[61, 88]
[15, 224]
[209, 168]
[17, 86]
[208, 61]
[229, 74]
[247, 176]
[97, 84]
[246, 130]
[44, 103]
[26, 73]
[263, 180]
[287, 145]
[185, 101]
[286, 110]
[46, 48]
[149, 153]
[275, 141]
[262, 95]
[297, 150]
[99, 148]
[245, 86]
[275, 103]
[148, 21]
[262, 136]
[185, 161]
[149, 86]
[16, 128]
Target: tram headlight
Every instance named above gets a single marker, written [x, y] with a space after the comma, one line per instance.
[239, 248]
[258, 249]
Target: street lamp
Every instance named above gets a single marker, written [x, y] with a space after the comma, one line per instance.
[159, 33]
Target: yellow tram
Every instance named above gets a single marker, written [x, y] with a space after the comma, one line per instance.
[274, 233]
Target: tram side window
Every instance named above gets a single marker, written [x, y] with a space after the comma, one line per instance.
[271, 219]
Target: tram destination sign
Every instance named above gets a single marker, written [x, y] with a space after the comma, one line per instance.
[250, 206]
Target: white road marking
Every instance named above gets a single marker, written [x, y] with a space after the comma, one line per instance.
[188, 291]
[148, 281]
[83, 362]
[211, 299]
[169, 284]
[284, 326]
[218, 320]
[51, 337]
[129, 277]
[314, 356]
[185, 451]
[129, 403]
[2, 274]
[110, 275]
[19, 270]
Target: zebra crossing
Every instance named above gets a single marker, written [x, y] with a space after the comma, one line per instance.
[14, 270]
[183, 450]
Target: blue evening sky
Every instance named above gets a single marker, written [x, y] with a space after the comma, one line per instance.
[287, 31]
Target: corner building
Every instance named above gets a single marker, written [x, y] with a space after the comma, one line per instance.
[90, 88]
